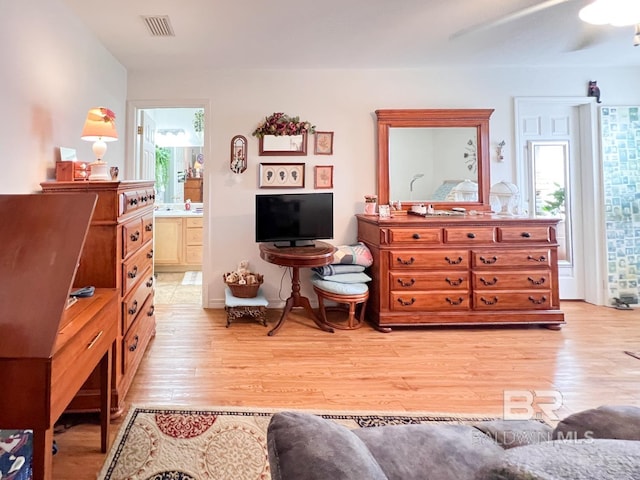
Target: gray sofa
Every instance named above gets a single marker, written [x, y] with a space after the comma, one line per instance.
[602, 444]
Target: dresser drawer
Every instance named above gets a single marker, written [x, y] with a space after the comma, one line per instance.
[130, 201]
[501, 280]
[511, 258]
[417, 236]
[501, 300]
[132, 237]
[134, 267]
[428, 259]
[469, 235]
[429, 280]
[136, 340]
[430, 301]
[132, 304]
[147, 227]
[524, 234]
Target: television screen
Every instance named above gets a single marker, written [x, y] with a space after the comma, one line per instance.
[294, 217]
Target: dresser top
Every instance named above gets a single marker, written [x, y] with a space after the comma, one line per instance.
[409, 220]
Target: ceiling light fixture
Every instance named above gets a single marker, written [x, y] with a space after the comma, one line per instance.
[618, 13]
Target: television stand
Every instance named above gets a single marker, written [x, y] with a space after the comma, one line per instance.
[298, 257]
[293, 244]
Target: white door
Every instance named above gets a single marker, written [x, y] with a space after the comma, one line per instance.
[550, 153]
[147, 156]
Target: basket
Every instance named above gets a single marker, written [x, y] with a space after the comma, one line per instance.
[245, 291]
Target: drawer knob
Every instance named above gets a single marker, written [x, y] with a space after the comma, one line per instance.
[455, 261]
[148, 227]
[406, 262]
[135, 236]
[134, 345]
[488, 261]
[450, 301]
[406, 284]
[133, 273]
[539, 301]
[541, 258]
[149, 282]
[489, 282]
[454, 283]
[151, 311]
[133, 201]
[416, 236]
[406, 303]
[537, 282]
[134, 308]
[471, 235]
[489, 302]
[525, 235]
[150, 253]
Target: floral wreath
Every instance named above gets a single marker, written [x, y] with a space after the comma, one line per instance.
[282, 124]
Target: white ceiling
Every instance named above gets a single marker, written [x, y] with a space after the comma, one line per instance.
[352, 34]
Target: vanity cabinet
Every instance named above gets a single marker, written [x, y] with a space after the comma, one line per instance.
[118, 254]
[178, 243]
[463, 270]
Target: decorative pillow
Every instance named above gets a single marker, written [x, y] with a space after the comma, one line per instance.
[608, 421]
[336, 269]
[359, 277]
[339, 288]
[357, 254]
[515, 433]
[307, 447]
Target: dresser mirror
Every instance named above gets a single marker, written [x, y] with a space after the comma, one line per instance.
[434, 156]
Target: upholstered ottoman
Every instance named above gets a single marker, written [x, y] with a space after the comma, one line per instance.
[236, 307]
[351, 294]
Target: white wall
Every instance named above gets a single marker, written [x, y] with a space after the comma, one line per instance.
[342, 101]
[53, 71]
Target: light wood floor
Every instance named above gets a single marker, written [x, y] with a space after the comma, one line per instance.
[195, 361]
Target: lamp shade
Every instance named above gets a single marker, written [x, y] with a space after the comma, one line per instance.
[100, 125]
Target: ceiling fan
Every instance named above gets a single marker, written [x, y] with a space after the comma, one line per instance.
[598, 12]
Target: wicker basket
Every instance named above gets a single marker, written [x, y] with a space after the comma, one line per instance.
[244, 291]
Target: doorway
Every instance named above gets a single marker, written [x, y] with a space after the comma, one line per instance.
[169, 148]
[557, 171]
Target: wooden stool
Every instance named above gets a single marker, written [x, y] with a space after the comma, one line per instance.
[236, 307]
[352, 299]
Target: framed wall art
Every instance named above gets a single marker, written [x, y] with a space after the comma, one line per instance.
[281, 175]
[323, 176]
[323, 144]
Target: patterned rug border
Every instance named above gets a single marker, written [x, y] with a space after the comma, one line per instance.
[135, 410]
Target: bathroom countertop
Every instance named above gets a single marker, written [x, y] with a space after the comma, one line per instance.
[177, 210]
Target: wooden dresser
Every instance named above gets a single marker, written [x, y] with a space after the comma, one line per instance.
[462, 270]
[193, 190]
[118, 254]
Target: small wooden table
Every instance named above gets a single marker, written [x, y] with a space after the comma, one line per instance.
[318, 255]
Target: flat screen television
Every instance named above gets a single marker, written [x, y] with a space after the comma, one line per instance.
[294, 219]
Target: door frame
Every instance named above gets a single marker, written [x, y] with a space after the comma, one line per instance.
[591, 203]
[132, 172]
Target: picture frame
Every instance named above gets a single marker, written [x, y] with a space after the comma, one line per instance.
[323, 176]
[283, 145]
[323, 143]
[281, 175]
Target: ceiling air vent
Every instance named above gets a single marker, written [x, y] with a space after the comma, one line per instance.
[159, 25]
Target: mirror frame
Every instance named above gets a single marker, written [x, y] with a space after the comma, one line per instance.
[476, 118]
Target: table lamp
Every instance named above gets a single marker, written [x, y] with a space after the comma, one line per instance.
[100, 127]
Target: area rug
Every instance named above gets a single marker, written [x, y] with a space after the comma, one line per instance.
[218, 443]
[192, 278]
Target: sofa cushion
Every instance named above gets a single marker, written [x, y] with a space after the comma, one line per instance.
[609, 421]
[307, 447]
[584, 459]
[421, 451]
[515, 433]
